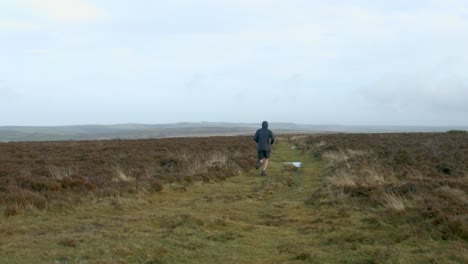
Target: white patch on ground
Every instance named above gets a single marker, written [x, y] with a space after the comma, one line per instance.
[296, 164]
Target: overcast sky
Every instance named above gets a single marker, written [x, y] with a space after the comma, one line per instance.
[352, 62]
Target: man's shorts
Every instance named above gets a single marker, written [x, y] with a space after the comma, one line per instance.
[263, 154]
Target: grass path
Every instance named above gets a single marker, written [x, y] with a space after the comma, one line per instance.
[245, 219]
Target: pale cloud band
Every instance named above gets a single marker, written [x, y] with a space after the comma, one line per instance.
[66, 11]
[13, 25]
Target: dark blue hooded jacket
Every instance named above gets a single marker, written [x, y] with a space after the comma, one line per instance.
[264, 137]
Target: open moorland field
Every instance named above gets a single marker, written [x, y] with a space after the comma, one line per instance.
[357, 198]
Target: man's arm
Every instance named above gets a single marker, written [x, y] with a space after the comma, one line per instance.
[255, 138]
[272, 136]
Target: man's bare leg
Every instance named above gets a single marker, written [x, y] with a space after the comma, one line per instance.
[265, 164]
[264, 167]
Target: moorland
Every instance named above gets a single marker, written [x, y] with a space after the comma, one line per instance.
[356, 198]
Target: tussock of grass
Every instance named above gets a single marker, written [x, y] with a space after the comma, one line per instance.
[394, 202]
[373, 178]
[342, 179]
[453, 195]
[335, 157]
[120, 175]
[60, 172]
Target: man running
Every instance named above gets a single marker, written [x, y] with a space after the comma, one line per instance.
[264, 137]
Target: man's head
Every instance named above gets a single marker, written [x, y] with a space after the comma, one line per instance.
[265, 124]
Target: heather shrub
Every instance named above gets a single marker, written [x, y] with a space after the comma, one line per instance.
[34, 174]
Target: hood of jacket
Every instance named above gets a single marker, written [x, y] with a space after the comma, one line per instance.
[265, 124]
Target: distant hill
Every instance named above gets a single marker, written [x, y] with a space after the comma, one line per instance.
[186, 129]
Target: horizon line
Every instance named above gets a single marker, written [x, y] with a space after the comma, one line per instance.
[226, 122]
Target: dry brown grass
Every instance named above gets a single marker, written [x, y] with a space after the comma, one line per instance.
[342, 179]
[453, 194]
[394, 202]
[59, 172]
[335, 157]
[121, 175]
